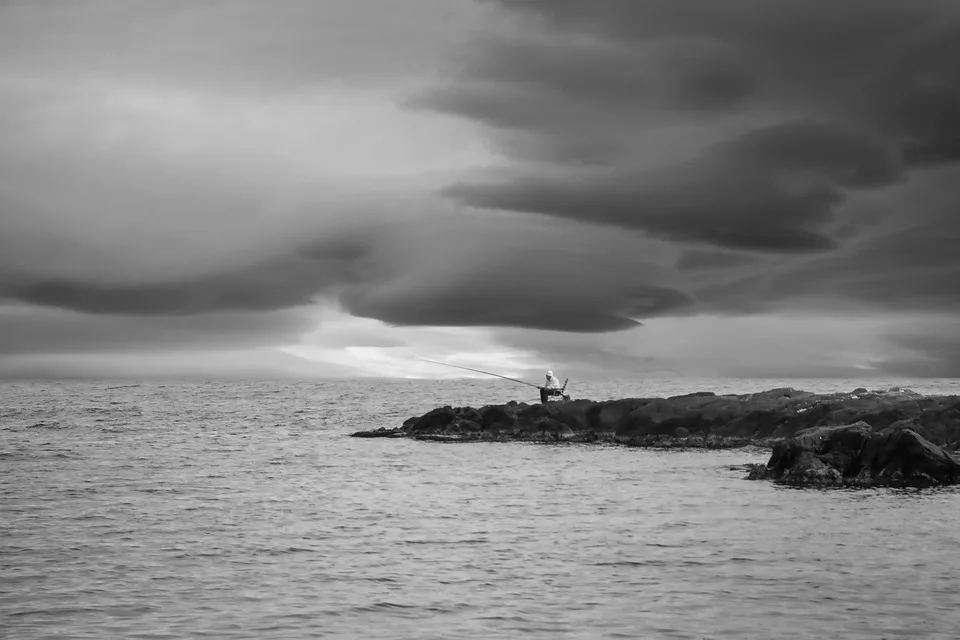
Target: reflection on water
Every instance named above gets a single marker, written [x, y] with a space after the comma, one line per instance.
[243, 511]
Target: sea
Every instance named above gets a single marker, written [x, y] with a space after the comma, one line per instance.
[243, 509]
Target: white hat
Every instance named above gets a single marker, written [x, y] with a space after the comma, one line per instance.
[549, 373]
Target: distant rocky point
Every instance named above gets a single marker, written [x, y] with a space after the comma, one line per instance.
[892, 436]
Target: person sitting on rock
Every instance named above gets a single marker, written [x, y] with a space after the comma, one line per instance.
[551, 388]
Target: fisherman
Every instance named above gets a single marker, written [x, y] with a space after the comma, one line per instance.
[551, 388]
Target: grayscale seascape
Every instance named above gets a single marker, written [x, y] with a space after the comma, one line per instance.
[243, 510]
[403, 319]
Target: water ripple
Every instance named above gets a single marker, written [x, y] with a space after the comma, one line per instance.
[230, 510]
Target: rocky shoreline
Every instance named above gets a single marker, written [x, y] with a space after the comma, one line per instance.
[911, 430]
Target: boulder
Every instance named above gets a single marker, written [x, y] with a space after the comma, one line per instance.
[809, 468]
[900, 455]
[856, 455]
[434, 421]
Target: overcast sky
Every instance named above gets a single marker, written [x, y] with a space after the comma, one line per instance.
[599, 187]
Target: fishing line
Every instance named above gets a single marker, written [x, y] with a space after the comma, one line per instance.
[456, 366]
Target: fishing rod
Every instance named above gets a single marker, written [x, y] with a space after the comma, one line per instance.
[456, 366]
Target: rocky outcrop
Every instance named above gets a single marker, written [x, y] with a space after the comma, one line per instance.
[858, 455]
[703, 419]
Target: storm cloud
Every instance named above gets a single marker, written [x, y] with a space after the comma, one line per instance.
[744, 125]
[571, 175]
[31, 330]
[527, 272]
[905, 260]
[767, 190]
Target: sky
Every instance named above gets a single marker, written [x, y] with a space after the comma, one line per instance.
[322, 188]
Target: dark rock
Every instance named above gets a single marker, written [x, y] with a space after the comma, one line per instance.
[809, 468]
[433, 421]
[469, 413]
[718, 421]
[695, 394]
[443, 437]
[380, 433]
[553, 427]
[494, 418]
[462, 427]
[857, 455]
[757, 472]
[901, 455]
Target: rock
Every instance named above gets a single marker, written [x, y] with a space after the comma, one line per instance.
[811, 469]
[461, 427]
[828, 438]
[856, 455]
[469, 413]
[380, 433]
[719, 421]
[901, 455]
[433, 421]
[606, 417]
[757, 472]
[555, 429]
[496, 419]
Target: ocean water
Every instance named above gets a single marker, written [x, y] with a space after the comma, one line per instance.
[244, 510]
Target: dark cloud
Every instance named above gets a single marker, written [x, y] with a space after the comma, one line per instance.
[907, 263]
[827, 52]
[766, 156]
[172, 298]
[694, 76]
[916, 95]
[696, 260]
[767, 190]
[524, 273]
[530, 272]
[526, 307]
[284, 282]
[32, 330]
[846, 93]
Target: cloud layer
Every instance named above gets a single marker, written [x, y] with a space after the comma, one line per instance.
[744, 126]
[579, 168]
